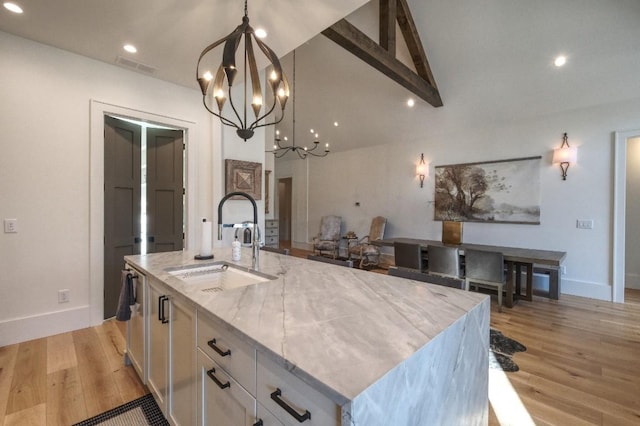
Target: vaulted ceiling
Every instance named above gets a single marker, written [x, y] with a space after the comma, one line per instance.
[492, 60]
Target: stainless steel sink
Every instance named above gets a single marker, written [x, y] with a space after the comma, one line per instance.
[218, 276]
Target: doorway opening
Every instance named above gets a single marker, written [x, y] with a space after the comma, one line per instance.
[144, 196]
[285, 195]
[621, 225]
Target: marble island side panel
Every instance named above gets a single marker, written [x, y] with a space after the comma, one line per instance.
[351, 334]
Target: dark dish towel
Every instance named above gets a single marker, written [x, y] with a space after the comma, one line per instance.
[127, 297]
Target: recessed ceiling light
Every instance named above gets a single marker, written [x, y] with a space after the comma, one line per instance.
[560, 61]
[12, 7]
[335, 123]
[130, 48]
[311, 131]
[411, 102]
[260, 33]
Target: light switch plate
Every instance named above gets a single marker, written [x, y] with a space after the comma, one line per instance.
[584, 224]
[10, 226]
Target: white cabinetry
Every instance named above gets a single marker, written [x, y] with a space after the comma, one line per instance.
[136, 332]
[291, 400]
[183, 364]
[226, 377]
[222, 401]
[172, 359]
[271, 233]
[158, 326]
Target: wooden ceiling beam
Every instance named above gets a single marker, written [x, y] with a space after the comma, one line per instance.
[412, 38]
[388, 17]
[358, 43]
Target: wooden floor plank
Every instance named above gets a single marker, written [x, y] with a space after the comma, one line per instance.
[61, 353]
[7, 366]
[28, 385]
[113, 343]
[32, 416]
[65, 399]
[98, 385]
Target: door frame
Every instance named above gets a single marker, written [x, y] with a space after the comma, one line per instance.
[98, 110]
[619, 211]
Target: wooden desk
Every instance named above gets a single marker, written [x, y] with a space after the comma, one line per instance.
[515, 259]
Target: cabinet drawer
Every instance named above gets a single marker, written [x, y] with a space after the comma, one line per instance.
[278, 389]
[270, 232]
[271, 241]
[236, 357]
[221, 400]
[271, 223]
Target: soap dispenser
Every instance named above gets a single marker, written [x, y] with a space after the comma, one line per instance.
[235, 250]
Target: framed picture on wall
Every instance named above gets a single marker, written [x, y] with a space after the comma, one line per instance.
[502, 191]
[243, 176]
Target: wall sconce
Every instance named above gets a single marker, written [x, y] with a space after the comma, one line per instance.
[565, 155]
[421, 170]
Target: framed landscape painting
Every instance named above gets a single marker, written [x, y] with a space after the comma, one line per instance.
[503, 191]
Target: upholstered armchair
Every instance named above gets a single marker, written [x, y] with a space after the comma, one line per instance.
[328, 240]
[369, 254]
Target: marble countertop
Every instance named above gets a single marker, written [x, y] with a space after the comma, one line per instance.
[339, 329]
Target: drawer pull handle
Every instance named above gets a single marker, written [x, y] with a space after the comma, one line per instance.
[258, 423]
[299, 417]
[212, 344]
[211, 374]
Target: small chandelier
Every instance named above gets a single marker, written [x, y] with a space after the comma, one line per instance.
[279, 150]
[228, 70]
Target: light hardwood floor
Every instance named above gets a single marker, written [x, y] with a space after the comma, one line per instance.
[580, 368]
[66, 378]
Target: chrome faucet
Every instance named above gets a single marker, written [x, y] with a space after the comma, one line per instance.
[255, 245]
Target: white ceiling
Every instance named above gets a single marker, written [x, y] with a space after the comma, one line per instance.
[492, 60]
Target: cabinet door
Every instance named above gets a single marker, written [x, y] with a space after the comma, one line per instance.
[221, 400]
[267, 418]
[136, 345]
[157, 379]
[183, 364]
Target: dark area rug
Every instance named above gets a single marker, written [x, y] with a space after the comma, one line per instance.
[501, 350]
[140, 412]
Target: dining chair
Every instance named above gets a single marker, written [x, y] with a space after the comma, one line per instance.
[408, 255]
[485, 269]
[444, 261]
[328, 239]
[369, 254]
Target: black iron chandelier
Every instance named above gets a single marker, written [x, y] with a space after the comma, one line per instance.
[227, 72]
[279, 150]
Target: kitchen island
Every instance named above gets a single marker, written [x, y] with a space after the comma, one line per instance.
[376, 349]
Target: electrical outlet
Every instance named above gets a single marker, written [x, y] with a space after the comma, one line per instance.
[584, 224]
[10, 226]
[63, 296]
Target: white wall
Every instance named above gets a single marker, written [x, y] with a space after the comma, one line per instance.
[45, 175]
[632, 240]
[382, 178]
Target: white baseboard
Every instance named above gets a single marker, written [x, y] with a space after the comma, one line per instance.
[19, 330]
[586, 289]
[632, 281]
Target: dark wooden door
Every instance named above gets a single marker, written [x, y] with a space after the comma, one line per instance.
[164, 190]
[122, 147]
[123, 197]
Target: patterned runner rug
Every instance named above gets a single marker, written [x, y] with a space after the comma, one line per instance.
[140, 412]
